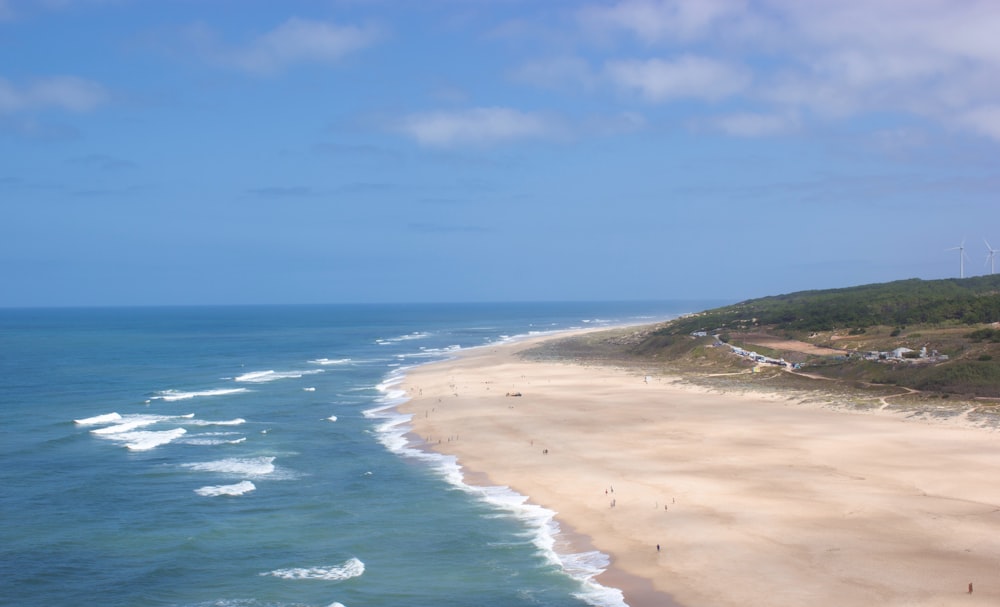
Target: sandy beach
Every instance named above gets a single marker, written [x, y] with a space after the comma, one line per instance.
[706, 499]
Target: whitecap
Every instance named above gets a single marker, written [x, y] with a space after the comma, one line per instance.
[430, 352]
[239, 421]
[175, 395]
[259, 377]
[240, 466]
[213, 438]
[330, 361]
[124, 426]
[131, 422]
[407, 337]
[350, 569]
[234, 490]
[98, 419]
[144, 441]
[332, 418]
[309, 389]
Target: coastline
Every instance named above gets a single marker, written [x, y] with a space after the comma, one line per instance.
[753, 498]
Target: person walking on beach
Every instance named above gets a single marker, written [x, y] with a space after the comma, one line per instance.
[970, 587]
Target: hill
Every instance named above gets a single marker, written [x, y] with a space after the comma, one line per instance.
[938, 338]
[966, 301]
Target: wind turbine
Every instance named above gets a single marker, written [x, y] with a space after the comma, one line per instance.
[989, 256]
[961, 258]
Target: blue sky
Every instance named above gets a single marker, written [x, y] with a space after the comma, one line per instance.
[217, 152]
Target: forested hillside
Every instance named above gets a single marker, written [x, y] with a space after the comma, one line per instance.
[905, 302]
[926, 337]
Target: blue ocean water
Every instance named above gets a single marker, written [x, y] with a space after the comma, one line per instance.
[249, 457]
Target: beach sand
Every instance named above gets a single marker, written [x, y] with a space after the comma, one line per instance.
[753, 499]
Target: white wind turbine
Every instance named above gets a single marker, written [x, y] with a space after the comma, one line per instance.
[961, 258]
[989, 256]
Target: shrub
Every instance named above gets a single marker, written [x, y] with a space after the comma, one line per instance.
[991, 335]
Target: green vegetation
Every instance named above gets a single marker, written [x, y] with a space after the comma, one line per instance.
[840, 340]
[990, 335]
[930, 316]
[978, 378]
[905, 302]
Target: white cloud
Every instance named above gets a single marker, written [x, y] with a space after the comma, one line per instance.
[615, 124]
[982, 120]
[832, 59]
[685, 77]
[476, 126]
[557, 72]
[294, 41]
[657, 20]
[624, 122]
[822, 97]
[898, 140]
[939, 29]
[60, 92]
[748, 124]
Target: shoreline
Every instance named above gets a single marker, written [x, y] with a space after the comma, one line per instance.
[635, 590]
[764, 499]
[570, 550]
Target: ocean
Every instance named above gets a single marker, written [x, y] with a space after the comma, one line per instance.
[251, 457]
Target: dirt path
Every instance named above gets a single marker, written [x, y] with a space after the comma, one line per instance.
[792, 345]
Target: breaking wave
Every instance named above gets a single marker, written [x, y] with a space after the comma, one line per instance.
[146, 440]
[233, 490]
[175, 395]
[98, 419]
[260, 377]
[407, 337]
[330, 361]
[238, 466]
[345, 571]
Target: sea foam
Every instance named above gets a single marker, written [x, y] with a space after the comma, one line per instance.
[98, 419]
[260, 377]
[407, 337]
[175, 395]
[239, 421]
[217, 490]
[144, 441]
[213, 438]
[140, 420]
[124, 427]
[241, 466]
[436, 353]
[330, 361]
[350, 569]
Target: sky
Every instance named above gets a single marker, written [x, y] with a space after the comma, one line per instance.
[193, 152]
